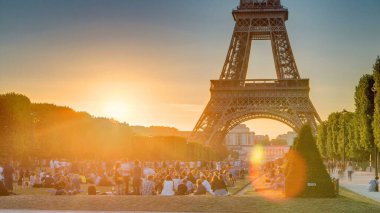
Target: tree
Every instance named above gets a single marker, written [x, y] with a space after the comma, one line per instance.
[322, 139]
[346, 135]
[364, 110]
[340, 135]
[333, 128]
[50, 131]
[376, 116]
[317, 182]
[15, 126]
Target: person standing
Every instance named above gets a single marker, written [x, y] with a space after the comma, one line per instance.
[137, 174]
[148, 186]
[118, 179]
[126, 171]
[8, 177]
[1, 173]
[350, 170]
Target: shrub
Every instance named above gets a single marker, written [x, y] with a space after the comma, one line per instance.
[306, 174]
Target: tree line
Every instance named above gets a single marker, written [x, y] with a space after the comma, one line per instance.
[354, 135]
[33, 130]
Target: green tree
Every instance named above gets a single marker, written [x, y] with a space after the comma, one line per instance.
[376, 116]
[339, 135]
[346, 135]
[333, 129]
[15, 126]
[50, 131]
[314, 169]
[364, 110]
[322, 139]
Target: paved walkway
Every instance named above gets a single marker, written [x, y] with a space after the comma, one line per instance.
[245, 189]
[360, 184]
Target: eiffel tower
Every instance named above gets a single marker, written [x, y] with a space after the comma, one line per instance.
[235, 99]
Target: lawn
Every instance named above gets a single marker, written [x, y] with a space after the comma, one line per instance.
[240, 183]
[347, 202]
[44, 191]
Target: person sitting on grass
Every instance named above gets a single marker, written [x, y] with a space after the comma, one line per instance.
[102, 180]
[60, 186]
[207, 185]
[37, 183]
[190, 186]
[182, 188]
[48, 181]
[32, 179]
[201, 190]
[76, 183]
[218, 186]
[374, 185]
[168, 187]
[176, 181]
[83, 179]
[231, 180]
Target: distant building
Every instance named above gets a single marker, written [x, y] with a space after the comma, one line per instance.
[288, 137]
[272, 153]
[261, 138]
[241, 140]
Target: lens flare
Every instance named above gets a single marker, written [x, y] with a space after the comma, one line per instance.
[257, 156]
[295, 175]
[279, 179]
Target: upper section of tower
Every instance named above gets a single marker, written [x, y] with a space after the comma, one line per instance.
[260, 4]
[260, 9]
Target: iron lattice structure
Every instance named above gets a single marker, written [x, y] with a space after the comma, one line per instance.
[235, 99]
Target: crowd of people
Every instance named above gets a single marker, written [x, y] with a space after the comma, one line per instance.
[274, 175]
[166, 178]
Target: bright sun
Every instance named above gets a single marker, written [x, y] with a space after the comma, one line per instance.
[117, 111]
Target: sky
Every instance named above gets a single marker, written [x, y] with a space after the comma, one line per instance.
[150, 62]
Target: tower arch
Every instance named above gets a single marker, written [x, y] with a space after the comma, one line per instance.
[235, 99]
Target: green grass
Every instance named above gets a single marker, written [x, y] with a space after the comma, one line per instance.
[239, 185]
[348, 201]
[45, 191]
[253, 203]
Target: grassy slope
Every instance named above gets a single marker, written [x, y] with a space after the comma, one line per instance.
[240, 184]
[253, 202]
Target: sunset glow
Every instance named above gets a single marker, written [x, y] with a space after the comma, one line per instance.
[117, 110]
[189, 106]
[82, 59]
